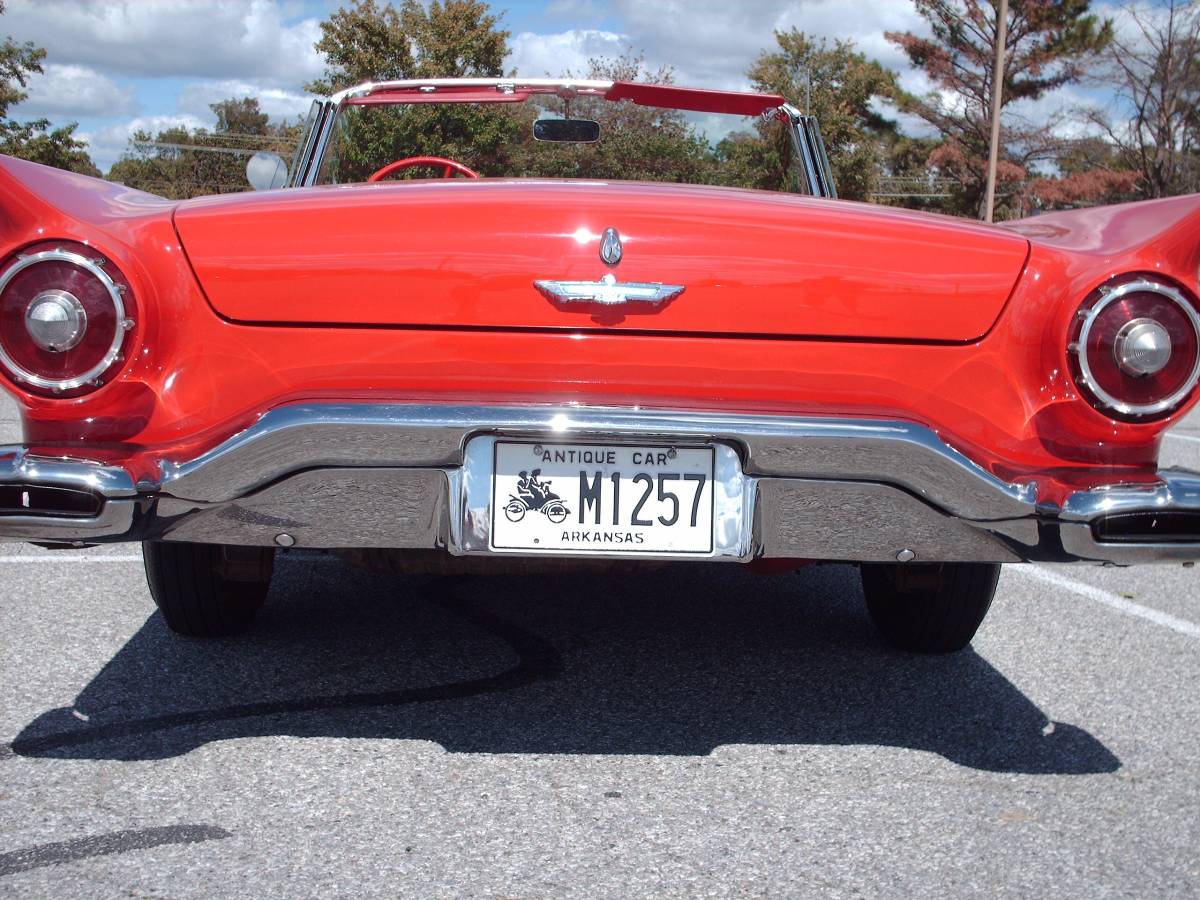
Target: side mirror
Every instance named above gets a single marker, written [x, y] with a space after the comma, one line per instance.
[266, 171]
[574, 131]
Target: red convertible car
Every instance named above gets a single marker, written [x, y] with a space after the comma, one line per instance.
[482, 368]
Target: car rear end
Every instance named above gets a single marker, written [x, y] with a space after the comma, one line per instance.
[385, 367]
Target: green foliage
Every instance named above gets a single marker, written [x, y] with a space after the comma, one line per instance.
[843, 89]
[449, 38]
[179, 163]
[37, 142]
[762, 159]
[636, 142]
[455, 38]
[34, 140]
[242, 116]
[363, 42]
[17, 63]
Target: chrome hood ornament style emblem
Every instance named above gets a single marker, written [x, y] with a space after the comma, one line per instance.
[610, 246]
[608, 291]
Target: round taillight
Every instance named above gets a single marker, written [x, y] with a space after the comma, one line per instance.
[1135, 348]
[65, 315]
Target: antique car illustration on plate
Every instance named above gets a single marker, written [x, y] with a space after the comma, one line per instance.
[492, 368]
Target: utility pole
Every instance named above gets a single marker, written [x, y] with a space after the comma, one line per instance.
[997, 91]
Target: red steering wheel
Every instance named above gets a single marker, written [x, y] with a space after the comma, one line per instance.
[449, 167]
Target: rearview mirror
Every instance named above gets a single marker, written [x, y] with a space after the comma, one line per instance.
[576, 131]
[266, 171]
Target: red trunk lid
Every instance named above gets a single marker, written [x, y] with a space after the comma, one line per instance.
[460, 253]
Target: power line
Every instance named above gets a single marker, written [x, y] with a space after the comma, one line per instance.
[200, 148]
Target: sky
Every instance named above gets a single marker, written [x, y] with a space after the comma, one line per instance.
[116, 66]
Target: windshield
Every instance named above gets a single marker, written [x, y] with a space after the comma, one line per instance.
[636, 143]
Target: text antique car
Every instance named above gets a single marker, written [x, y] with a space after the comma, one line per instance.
[537, 367]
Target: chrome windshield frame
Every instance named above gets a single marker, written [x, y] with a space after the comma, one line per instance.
[809, 146]
[803, 130]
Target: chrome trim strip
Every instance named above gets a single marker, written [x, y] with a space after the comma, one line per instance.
[19, 466]
[114, 293]
[573, 85]
[304, 436]
[1176, 490]
[608, 291]
[1080, 545]
[1110, 296]
[114, 523]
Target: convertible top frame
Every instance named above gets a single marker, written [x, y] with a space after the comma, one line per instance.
[805, 132]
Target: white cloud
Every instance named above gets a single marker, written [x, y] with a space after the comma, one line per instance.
[172, 38]
[75, 91]
[568, 52]
[106, 145]
[277, 103]
[712, 43]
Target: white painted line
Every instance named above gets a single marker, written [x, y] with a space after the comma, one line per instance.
[1183, 437]
[1114, 601]
[109, 558]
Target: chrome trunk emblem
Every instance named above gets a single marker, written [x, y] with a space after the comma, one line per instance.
[610, 246]
[608, 291]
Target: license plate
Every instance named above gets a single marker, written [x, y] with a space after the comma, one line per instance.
[598, 498]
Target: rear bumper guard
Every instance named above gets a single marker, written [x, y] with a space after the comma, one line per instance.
[360, 475]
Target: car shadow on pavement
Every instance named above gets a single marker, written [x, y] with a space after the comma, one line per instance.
[678, 660]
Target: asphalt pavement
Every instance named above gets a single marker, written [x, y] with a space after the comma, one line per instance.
[697, 730]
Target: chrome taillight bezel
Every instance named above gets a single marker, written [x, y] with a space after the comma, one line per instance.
[115, 293]
[1086, 376]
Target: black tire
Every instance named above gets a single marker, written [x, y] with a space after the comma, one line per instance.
[207, 590]
[929, 607]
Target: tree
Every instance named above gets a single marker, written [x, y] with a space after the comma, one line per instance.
[363, 42]
[636, 142]
[1050, 44]
[179, 163]
[242, 116]
[843, 89]
[449, 38]
[34, 140]
[17, 63]
[1091, 170]
[1156, 72]
[455, 39]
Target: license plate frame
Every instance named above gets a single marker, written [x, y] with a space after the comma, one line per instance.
[474, 498]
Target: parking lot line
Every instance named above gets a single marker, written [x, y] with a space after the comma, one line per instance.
[1183, 437]
[68, 558]
[1114, 601]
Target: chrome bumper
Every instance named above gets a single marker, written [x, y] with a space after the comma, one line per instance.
[359, 475]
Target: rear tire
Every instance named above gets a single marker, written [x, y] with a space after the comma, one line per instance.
[207, 590]
[929, 607]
